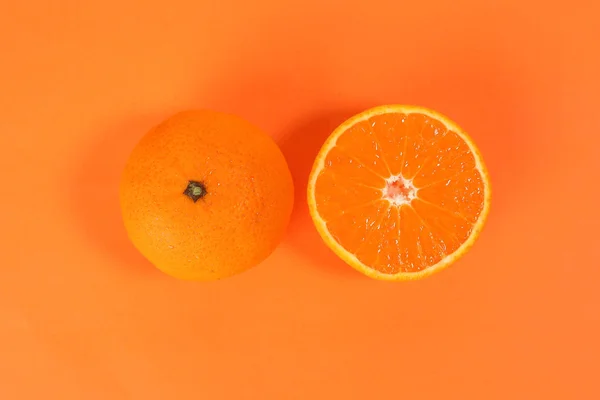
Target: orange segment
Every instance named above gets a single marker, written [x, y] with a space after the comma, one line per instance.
[348, 177]
[462, 195]
[399, 192]
[360, 143]
[354, 226]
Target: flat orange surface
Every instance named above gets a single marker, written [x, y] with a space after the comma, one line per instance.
[83, 316]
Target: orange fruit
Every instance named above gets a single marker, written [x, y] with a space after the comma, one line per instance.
[399, 192]
[206, 195]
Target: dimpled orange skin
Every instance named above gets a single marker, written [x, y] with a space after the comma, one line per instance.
[241, 185]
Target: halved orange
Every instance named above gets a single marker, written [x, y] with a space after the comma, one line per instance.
[399, 192]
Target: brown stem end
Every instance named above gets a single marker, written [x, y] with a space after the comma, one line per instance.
[195, 190]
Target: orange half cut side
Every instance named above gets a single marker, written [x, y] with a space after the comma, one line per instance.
[399, 192]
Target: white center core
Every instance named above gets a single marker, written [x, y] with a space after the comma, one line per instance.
[399, 191]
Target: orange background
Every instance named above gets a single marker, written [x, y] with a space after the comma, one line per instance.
[83, 316]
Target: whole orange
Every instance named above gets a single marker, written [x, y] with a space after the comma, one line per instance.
[206, 195]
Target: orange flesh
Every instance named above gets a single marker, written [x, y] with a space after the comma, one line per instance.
[400, 192]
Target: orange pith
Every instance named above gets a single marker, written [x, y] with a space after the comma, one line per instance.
[399, 192]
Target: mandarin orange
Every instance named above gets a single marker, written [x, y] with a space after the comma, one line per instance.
[399, 192]
[206, 195]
